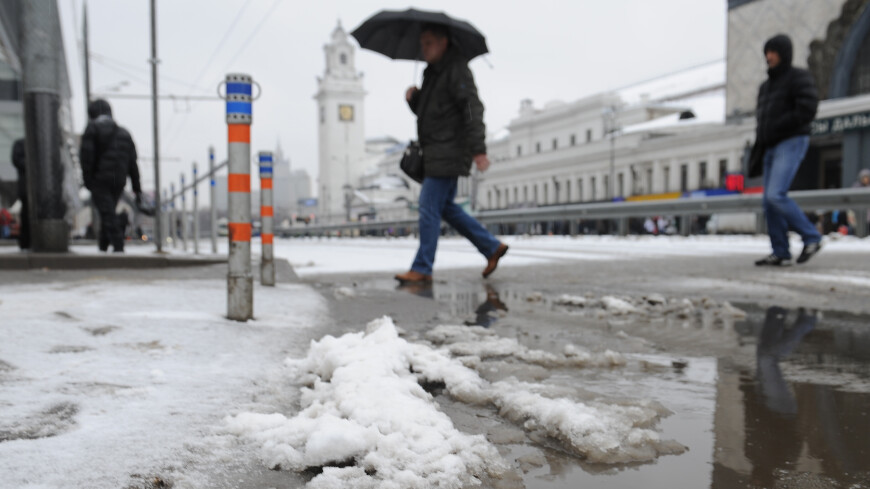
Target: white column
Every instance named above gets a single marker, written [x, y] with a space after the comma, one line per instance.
[694, 167]
[658, 177]
[735, 161]
[675, 176]
[713, 170]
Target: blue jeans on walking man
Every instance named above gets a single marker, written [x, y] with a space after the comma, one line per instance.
[781, 164]
[437, 203]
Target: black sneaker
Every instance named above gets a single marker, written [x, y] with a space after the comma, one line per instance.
[773, 261]
[808, 252]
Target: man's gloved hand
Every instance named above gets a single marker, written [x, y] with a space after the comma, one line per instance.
[139, 200]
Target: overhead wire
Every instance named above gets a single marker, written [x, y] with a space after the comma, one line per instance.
[253, 34]
[108, 60]
[177, 133]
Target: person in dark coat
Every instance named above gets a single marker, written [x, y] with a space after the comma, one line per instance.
[787, 104]
[452, 135]
[19, 161]
[108, 157]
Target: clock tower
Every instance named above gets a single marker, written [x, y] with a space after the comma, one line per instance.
[340, 119]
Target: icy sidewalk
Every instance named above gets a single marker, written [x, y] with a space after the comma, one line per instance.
[103, 379]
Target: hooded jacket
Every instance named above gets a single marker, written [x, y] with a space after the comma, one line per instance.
[449, 117]
[861, 174]
[108, 154]
[787, 101]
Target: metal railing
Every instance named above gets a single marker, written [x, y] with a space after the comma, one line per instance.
[857, 200]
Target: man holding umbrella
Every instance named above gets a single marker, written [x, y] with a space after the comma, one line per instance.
[450, 126]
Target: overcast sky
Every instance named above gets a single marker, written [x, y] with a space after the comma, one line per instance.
[542, 49]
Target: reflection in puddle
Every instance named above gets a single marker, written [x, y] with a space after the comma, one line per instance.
[787, 405]
[775, 430]
[488, 311]
[422, 289]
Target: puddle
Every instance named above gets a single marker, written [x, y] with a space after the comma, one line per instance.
[779, 398]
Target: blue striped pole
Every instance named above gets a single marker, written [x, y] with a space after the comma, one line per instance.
[213, 200]
[195, 212]
[173, 223]
[240, 281]
[267, 220]
[183, 215]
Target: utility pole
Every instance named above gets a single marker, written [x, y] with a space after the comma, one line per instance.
[87, 56]
[41, 86]
[156, 131]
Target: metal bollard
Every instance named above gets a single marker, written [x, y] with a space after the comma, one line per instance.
[212, 198]
[195, 211]
[267, 220]
[240, 286]
[173, 223]
[183, 215]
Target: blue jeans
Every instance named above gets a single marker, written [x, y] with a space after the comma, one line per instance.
[436, 203]
[781, 163]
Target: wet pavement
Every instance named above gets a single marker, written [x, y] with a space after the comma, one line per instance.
[779, 397]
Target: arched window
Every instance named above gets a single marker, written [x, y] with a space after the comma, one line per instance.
[343, 58]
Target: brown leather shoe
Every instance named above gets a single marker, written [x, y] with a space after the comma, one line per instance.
[412, 276]
[493, 260]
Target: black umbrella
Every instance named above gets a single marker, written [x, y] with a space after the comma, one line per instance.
[396, 33]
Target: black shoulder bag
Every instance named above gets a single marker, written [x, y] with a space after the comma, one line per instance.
[412, 162]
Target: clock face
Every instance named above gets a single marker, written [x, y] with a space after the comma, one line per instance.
[345, 112]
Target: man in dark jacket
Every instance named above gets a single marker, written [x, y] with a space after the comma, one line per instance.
[787, 104]
[452, 135]
[19, 161]
[108, 157]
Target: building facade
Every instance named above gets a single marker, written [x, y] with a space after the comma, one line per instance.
[665, 136]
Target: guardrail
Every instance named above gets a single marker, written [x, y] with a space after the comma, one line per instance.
[857, 200]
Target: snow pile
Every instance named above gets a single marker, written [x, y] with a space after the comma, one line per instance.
[654, 305]
[344, 293]
[481, 343]
[598, 432]
[367, 422]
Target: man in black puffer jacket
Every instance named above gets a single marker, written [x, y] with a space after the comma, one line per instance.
[452, 135]
[108, 157]
[787, 104]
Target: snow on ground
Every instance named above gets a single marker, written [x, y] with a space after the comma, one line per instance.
[367, 421]
[321, 256]
[103, 379]
[100, 380]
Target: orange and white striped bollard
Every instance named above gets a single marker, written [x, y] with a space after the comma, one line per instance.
[267, 220]
[240, 282]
